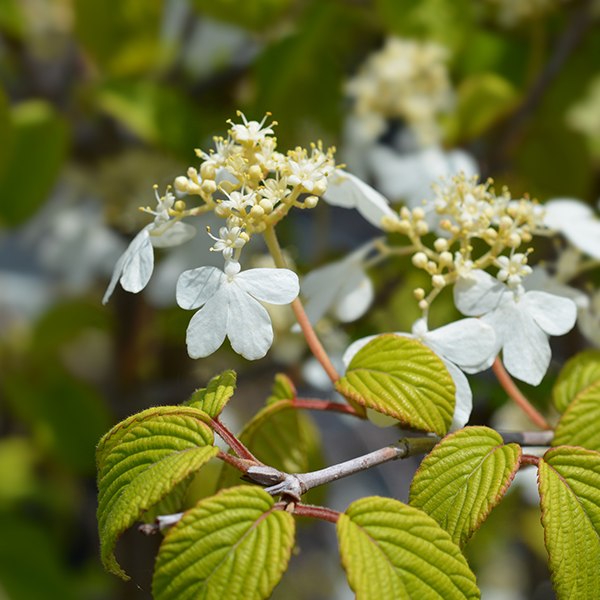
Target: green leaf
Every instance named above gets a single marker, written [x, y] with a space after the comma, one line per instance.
[216, 395]
[283, 389]
[257, 14]
[233, 545]
[463, 478]
[569, 481]
[392, 551]
[580, 423]
[402, 378]
[580, 372]
[40, 142]
[141, 463]
[482, 100]
[122, 37]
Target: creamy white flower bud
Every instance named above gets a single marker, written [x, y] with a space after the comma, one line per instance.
[266, 205]
[513, 240]
[506, 222]
[420, 260]
[419, 293]
[181, 183]
[257, 211]
[193, 188]
[405, 213]
[446, 224]
[446, 259]
[209, 186]
[423, 304]
[320, 187]
[440, 244]
[404, 226]
[418, 213]
[438, 281]
[207, 170]
[222, 211]
[421, 228]
[179, 206]
[192, 174]
[311, 201]
[255, 172]
[431, 267]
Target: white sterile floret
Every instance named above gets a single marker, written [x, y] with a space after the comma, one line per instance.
[228, 241]
[342, 286]
[522, 321]
[348, 191]
[230, 307]
[513, 269]
[134, 267]
[467, 345]
[577, 222]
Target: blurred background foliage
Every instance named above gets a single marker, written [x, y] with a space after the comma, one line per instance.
[101, 99]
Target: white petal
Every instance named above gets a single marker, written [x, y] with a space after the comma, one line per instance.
[354, 298]
[479, 295]
[585, 235]
[249, 328]
[115, 277]
[274, 286]
[177, 234]
[565, 210]
[198, 286]
[468, 343]
[464, 396]
[554, 314]
[139, 264]
[348, 191]
[208, 327]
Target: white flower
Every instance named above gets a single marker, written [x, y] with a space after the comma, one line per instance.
[348, 191]
[228, 241]
[343, 286]
[513, 269]
[522, 321]
[251, 132]
[466, 345]
[230, 307]
[577, 222]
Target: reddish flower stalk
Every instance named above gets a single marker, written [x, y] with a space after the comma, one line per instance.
[315, 404]
[513, 391]
[233, 442]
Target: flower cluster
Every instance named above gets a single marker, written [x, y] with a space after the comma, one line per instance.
[406, 79]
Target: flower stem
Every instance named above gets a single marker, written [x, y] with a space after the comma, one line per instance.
[529, 459]
[233, 441]
[309, 333]
[513, 391]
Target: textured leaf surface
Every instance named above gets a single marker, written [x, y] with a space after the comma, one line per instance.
[232, 545]
[213, 398]
[402, 378]
[579, 373]
[156, 454]
[580, 423]
[569, 481]
[283, 389]
[392, 551]
[463, 478]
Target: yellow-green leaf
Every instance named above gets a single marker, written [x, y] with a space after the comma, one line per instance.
[392, 551]
[569, 482]
[401, 377]
[141, 463]
[463, 479]
[230, 546]
[580, 372]
[216, 395]
[580, 423]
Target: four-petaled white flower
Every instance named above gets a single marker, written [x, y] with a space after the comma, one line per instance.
[522, 321]
[513, 269]
[343, 286]
[577, 222]
[134, 267]
[348, 191]
[467, 345]
[230, 307]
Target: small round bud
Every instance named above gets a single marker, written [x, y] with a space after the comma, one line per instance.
[421, 228]
[266, 205]
[179, 206]
[255, 172]
[181, 184]
[311, 202]
[423, 304]
[446, 259]
[209, 186]
[418, 213]
[440, 244]
[222, 211]
[506, 222]
[526, 237]
[438, 281]
[192, 174]
[490, 234]
[405, 213]
[419, 293]
[446, 224]
[207, 170]
[244, 236]
[257, 211]
[404, 226]
[513, 240]
[454, 229]
[390, 223]
[320, 187]
[193, 188]
[431, 267]
[420, 260]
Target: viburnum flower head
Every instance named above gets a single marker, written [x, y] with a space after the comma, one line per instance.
[134, 267]
[230, 306]
[467, 345]
[521, 320]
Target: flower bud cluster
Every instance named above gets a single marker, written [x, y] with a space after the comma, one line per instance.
[463, 210]
[406, 79]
